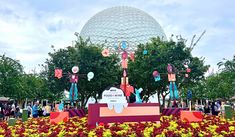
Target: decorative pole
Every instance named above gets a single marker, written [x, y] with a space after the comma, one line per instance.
[122, 48]
[125, 86]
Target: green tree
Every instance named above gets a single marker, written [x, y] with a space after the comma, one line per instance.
[228, 65]
[221, 85]
[34, 87]
[160, 53]
[10, 73]
[89, 59]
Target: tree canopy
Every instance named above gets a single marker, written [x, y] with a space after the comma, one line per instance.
[159, 54]
[10, 72]
[88, 58]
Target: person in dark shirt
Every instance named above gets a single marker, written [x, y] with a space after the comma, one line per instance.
[206, 109]
[214, 109]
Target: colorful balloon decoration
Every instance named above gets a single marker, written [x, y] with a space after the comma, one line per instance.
[58, 73]
[124, 55]
[123, 45]
[156, 76]
[105, 52]
[145, 52]
[90, 76]
[115, 46]
[132, 56]
[172, 78]
[73, 92]
[75, 69]
[188, 70]
[169, 69]
[73, 79]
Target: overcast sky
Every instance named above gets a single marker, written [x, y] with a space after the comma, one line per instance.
[28, 28]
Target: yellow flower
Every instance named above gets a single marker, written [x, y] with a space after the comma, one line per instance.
[125, 126]
[195, 125]
[161, 135]
[173, 126]
[121, 132]
[148, 131]
[92, 134]
[231, 128]
[62, 133]
[132, 135]
[107, 133]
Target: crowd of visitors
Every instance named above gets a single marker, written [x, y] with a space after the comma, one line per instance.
[35, 109]
[13, 110]
[215, 108]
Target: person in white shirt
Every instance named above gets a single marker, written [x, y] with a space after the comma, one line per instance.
[29, 109]
[48, 110]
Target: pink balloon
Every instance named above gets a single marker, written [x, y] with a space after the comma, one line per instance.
[124, 55]
[155, 73]
[188, 70]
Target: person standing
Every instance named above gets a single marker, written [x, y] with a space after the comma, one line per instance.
[48, 110]
[214, 109]
[207, 109]
[13, 109]
[35, 110]
[29, 109]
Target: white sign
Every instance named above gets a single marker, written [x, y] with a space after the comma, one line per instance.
[114, 98]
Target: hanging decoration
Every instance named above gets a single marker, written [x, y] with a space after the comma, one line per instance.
[145, 52]
[124, 64]
[105, 52]
[123, 45]
[188, 70]
[173, 91]
[90, 76]
[156, 76]
[115, 46]
[73, 92]
[172, 78]
[58, 73]
[73, 79]
[132, 56]
[124, 55]
[169, 69]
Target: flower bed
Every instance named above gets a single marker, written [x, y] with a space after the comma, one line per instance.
[170, 126]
